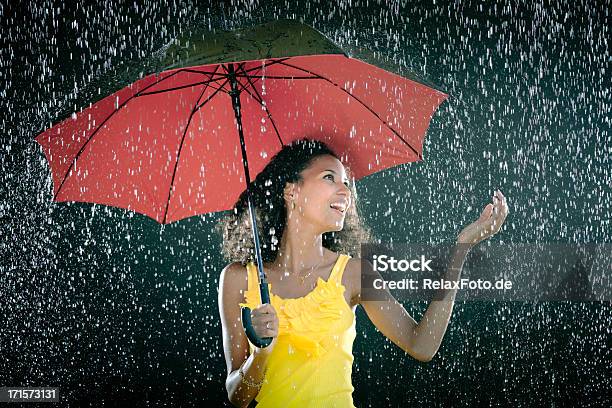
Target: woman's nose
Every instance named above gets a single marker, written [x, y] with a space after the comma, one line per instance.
[346, 190]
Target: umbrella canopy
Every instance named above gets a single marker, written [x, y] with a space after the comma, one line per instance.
[167, 144]
[180, 142]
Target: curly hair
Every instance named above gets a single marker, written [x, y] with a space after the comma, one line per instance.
[271, 212]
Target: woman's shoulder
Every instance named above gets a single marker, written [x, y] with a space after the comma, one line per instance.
[234, 267]
[352, 279]
[353, 267]
[235, 276]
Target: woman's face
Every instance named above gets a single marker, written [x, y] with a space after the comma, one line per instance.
[323, 197]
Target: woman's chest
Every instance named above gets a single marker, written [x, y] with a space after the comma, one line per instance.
[324, 310]
[290, 292]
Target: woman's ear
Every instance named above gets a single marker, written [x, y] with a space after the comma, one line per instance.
[289, 192]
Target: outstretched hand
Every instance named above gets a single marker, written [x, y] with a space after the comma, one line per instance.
[489, 222]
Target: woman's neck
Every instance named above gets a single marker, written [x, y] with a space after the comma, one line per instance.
[300, 251]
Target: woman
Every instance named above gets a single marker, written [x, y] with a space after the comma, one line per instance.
[308, 223]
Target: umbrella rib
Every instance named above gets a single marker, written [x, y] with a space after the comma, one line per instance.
[227, 73]
[178, 155]
[100, 127]
[179, 87]
[273, 62]
[211, 96]
[207, 73]
[358, 100]
[279, 77]
[260, 100]
[265, 65]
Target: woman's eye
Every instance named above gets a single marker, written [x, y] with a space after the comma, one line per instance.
[331, 176]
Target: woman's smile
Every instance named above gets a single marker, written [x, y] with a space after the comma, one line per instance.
[337, 211]
[339, 207]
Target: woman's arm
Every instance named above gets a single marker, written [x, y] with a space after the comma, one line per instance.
[389, 316]
[423, 340]
[235, 344]
[420, 340]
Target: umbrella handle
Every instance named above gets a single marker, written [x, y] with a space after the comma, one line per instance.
[248, 324]
[250, 331]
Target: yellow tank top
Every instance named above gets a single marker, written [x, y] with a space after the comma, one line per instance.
[312, 361]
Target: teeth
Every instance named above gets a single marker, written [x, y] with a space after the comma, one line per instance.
[338, 207]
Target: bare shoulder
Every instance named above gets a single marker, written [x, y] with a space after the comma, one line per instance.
[234, 278]
[354, 265]
[352, 276]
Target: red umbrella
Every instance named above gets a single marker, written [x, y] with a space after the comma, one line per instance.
[186, 141]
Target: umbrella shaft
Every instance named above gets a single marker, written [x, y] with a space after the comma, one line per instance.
[235, 94]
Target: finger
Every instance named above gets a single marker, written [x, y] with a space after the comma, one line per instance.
[267, 333]
[497, 214]
[491, 223]
[503, 201]
[502, 206]
[497, 221]
[269, 308]
[502, 219]
[490, 211]
[502, 209]
[497, 203]
[266, 325]
[264, 309]
[274, 326]
[486, 213]
[270, 330]
[268, 321]
[263, 320]
[264, 330]
[258, 316]
[495, 226]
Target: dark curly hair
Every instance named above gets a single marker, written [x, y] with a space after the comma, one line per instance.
[271, 213]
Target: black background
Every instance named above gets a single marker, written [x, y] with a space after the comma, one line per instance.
[114, 308]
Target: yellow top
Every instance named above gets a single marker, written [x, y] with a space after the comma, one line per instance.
[312, 361]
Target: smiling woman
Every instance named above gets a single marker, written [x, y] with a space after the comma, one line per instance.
[269, 199]
[304, 198]
[306, 207]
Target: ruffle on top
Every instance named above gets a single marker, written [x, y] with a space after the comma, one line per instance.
[304, 320]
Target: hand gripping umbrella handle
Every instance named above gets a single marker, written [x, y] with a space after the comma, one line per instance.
[260, 342]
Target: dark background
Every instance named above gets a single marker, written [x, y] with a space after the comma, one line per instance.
[114, 308]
